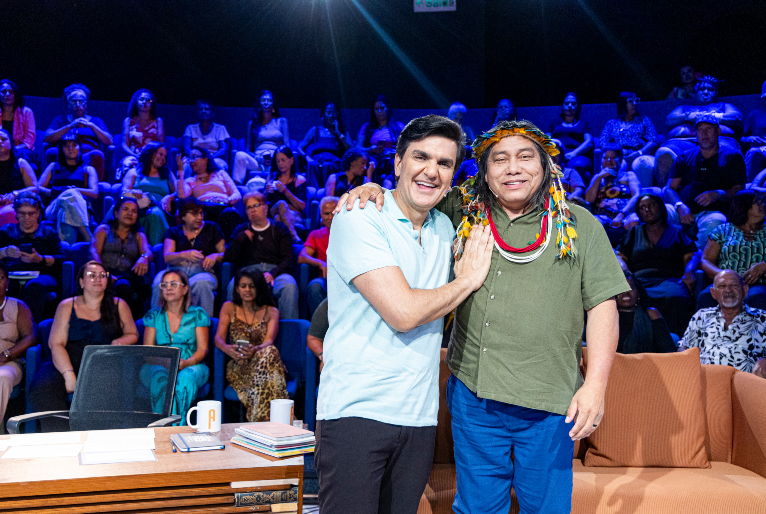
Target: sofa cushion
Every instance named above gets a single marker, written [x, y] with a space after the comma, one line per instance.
[723, 489]
[749, 421]
[653, 413]
[716, 393]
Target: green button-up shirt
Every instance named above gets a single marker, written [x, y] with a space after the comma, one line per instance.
[518, 338]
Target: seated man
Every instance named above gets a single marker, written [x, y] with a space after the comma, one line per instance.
[704, 179]
[267, 246]
[755, 138]
[684, 92]
[210, 136]
[732, 333]
[314, 253]
[320, 323]
[30, 246]
[456, 113]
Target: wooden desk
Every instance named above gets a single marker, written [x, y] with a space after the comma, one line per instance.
[194, 482]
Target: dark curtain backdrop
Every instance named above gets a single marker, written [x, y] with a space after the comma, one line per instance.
[306, 51]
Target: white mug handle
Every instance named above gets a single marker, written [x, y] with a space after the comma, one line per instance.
[188, 417]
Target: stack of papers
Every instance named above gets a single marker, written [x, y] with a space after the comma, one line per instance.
[275, 439]
[118, 446]
[35, 446]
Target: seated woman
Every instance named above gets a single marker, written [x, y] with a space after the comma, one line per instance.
[266, 131]
[125, 253]
[613, 193]
[355, 171]
[208, 135]
[642, 328]
[17, 333]
[635, 134]
[90, 131]
[575, 136]
[286, 193]
[18, 122]
[16, 176]
[378, 137]
[663, 260]
[213, 187]
[30, 246]
[193, 247]
[327, 141]
[682, 134]
[94, 317]
[739, 245]
[251, 323]
[178, 324]
[70, 183]
[142, 125]
[153, 185]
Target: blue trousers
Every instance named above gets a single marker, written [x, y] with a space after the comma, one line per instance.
[498, 445]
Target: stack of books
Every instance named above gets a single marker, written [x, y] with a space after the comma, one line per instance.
[275, 439]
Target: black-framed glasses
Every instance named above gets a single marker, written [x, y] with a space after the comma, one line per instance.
[254, 206]
[170, 285]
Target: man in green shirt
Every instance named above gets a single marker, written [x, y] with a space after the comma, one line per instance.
[515, 348]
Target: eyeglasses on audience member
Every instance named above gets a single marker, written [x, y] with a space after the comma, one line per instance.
[96, 275]
[170, 285]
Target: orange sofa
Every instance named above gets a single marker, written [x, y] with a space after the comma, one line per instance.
[734, 444]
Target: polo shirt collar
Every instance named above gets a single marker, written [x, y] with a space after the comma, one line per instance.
[392, 208]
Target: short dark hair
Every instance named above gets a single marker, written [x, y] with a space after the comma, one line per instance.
[262, 292]
[350, 156]
[612, 147]
[74, 87]
[28, 198]
[18, 98]
[212, 167]
[432, 125]
[114, 222]
[189, 204]
[663, 212]
[741, 204]
[146, 158]
[133, 105]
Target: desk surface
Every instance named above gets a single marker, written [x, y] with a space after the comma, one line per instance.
[184, 473]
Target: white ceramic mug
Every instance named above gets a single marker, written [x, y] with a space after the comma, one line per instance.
[208, 416]
[282, 411]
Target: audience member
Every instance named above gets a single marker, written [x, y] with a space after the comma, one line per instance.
[286, 192]
[320, 323]
[642, 328]
[125, 253]
[356, 169]
[314, 253]
[266, 131]
[90, 131]
[266, 246]
[194, 247]
[575, 136]
[18, 121]
[208, 135]
[211, 186]
[378, 136]
[154, 186]
[613, 193]
[685, 92]
[30, 246]
[730, 334]
[571, 181]
[142, 126]
[682, 122]
[704, 179]
[328, 141]
[125, 165]
[177, 324]
[251, 322]
[635, 134]
[17, 333]
[456, 112]
[739, 245]
[71, 184]
[16, 176]
[94, 317]
[505, 111]
[663, 260]
[754, 137]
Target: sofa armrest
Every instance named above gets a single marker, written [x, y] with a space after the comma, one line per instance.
[749, 422]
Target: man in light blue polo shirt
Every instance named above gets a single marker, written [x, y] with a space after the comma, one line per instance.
[388, 290]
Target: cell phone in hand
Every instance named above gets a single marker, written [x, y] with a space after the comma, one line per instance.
[242, 343]
[26, 248]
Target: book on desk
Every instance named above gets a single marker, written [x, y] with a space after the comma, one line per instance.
[195, 442]
[275, 439]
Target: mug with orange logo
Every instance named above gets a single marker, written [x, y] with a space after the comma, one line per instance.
[208, 416]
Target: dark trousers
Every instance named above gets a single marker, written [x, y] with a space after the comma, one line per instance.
[35, 294]
[369, 467]
[48, 392]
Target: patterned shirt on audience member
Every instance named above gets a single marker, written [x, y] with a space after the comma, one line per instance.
[630, 135]
[740, 345]
[737, 253]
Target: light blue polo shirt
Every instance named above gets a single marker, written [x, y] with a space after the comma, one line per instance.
[370, 370]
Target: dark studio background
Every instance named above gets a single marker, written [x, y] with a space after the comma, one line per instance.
[531, 51]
